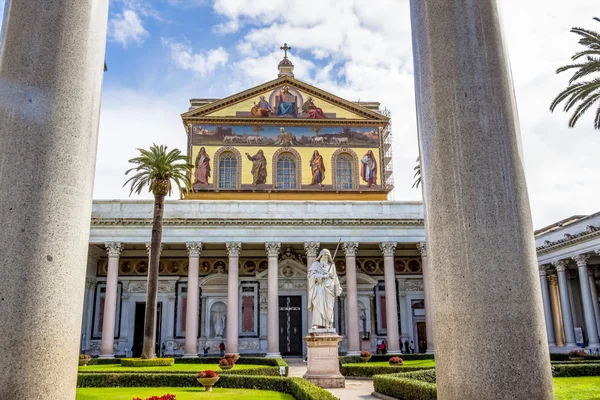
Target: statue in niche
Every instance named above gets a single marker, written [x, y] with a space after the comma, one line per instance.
[323, 288]
[219, 322]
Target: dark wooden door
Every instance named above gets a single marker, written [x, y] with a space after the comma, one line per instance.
[290, 325]
[138, 329]
[421, 337]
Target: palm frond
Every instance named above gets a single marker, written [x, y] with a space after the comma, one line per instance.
[582, 108]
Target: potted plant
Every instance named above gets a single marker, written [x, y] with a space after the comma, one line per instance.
[365, 356]
[226, 363]
[396, 361]
[231, 356]
[577, 355]
[84, 359]
[207, 379]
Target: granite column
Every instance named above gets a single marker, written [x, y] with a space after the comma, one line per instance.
[273, 299]
[233, 295]
[191, 315]
[565, 303]
[110, 300]
[586, 299]
[51, 69]
[352, 299]
[547, 305]
[476, 204]
[391, 307]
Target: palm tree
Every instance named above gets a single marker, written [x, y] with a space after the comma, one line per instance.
[158, 170]
[417, 176]
[582, 93]
[257, 129]
[316, 130]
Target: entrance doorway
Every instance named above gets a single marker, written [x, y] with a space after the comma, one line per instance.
[138, 330]
[421, 337]
[290, 325]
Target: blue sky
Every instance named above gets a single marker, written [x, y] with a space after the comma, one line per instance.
[161, 53]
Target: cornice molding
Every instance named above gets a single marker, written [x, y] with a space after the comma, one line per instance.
[147, 222]
[569, 240]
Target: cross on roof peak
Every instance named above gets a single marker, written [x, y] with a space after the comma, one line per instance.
[285, 48]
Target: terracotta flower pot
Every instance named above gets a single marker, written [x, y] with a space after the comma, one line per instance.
[576, 358]
[83, 362]
[208, 383]
[365, 359]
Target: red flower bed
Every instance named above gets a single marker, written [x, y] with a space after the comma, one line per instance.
[207, 374]
[167, 396]
[396, 360]
[226, 361]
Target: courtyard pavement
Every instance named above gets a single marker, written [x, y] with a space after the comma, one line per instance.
[355, 389]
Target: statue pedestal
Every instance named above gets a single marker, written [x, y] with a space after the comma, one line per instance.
[323, 363]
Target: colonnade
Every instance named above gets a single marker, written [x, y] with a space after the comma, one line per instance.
[562, 312]
[272, 250]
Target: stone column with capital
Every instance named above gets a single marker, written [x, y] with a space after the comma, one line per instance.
[273, 299]
[586, 298]
[565, 303]
[312, 250]
[51, 86]
[427, 292]
[191, 316]
[594, 293]
[233, 250]
[350, 249]
[110, 300]
[557, 319]
[476, 202]
[391, 307]
[547, 305]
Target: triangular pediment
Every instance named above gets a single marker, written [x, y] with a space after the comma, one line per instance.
[284, 99]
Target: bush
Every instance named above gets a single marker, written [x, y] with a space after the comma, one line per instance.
[408, 386]
[396, 361]
[386, 357]
[271, 362]
[367, 371]
[85, 357]
[297, 387]
[366, 354]
[581, 368]
[565, 357]
[167, 396]
[104, 361]
[207, 374]
[151, 362]
[225, 362]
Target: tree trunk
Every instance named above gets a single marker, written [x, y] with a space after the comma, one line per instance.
[152, 287]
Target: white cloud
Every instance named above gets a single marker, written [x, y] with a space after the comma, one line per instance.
[226, 28]
[126, 28]
[199, 63]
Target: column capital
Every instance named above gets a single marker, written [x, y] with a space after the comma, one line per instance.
[590, 269]
[233, 249]
[272, 249]
[560, 265]
[149, 247]
[350, 248]
[553, 280]
[114, 248]
[90, 282]
[422, 247]
[312, 248]
[194, 248]
[543, 268]
[581, 259]
[388, 248]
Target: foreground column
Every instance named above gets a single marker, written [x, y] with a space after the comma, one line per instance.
[391, 308]
[233, 249]
[477, 207]
[586, 299]
[51, 63]
[273, 300]
[352, 299]
[427, 292]
[312, 250]
[565, 303]
[191, 314]
[110, 300]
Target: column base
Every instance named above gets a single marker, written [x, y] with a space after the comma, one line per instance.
[429, 352]
[273, 355]
[190, 355]
[394, 352]
[106, 356]
[353, 353]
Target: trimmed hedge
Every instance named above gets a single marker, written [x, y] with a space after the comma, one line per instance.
[367, 371]
[267, 371]
[151, 362]
[580, 369]
[386, 357]
[297, 387]
[418, 385]
[104, 361]
[271, 362]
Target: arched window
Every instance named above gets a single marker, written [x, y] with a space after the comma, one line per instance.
[227, 170]
[286, 171]
[343, 172]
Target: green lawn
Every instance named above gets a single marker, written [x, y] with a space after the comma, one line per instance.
[577, 388]
[181, 393]
[175, 367]
[407, 363]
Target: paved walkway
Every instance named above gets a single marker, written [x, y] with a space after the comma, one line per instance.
[355, 389]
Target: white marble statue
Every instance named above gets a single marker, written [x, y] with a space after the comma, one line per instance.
[323, 288]
[219, 322]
